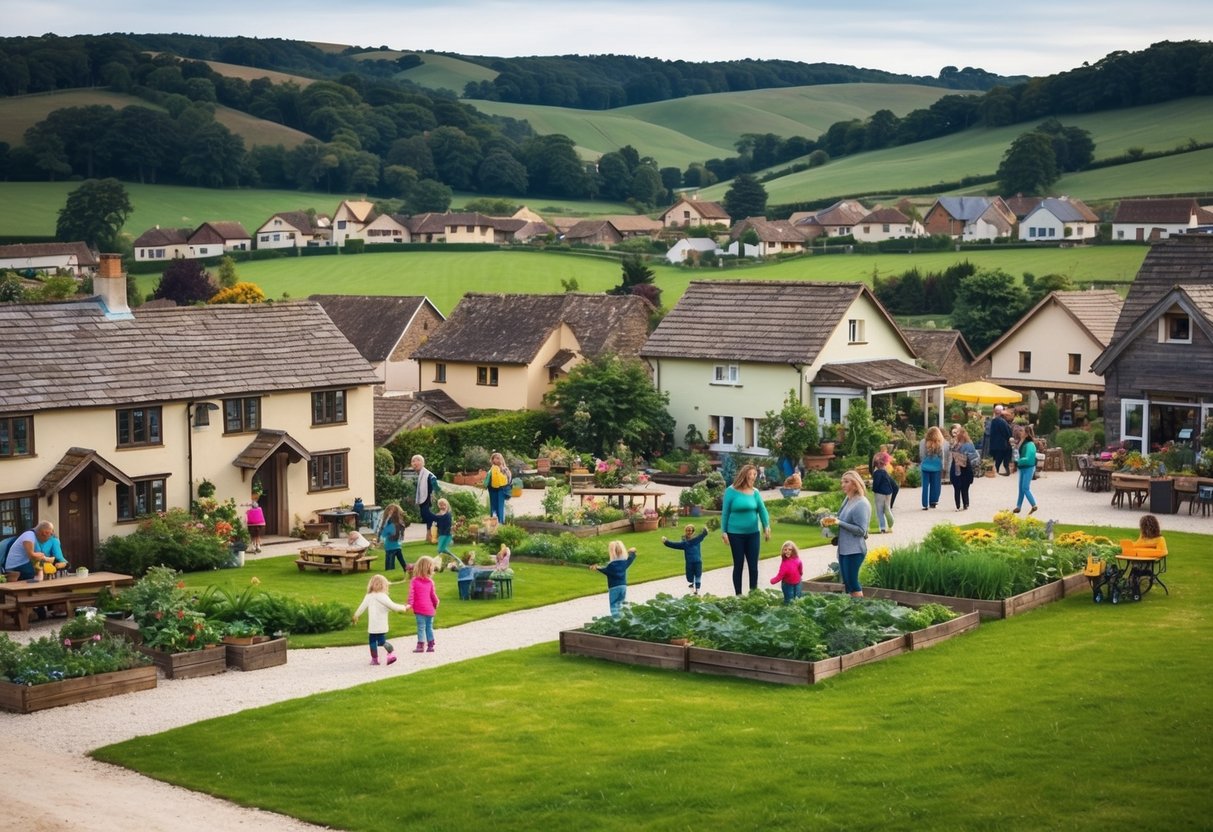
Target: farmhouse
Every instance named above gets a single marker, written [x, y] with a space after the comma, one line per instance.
[970, 218]
[213, 239]
[774, 236]
[49, 258]
[1052, 220]
[293, 229]
[162, 244]
[838, 220]
[689, 211]
[886, 224]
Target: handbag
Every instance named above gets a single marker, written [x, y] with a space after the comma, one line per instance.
[834, 541]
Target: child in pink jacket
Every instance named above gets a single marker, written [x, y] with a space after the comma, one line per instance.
[423, 600]
[791, 572]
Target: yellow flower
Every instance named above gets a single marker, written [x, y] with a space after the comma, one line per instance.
[255, 581]
[879, 554]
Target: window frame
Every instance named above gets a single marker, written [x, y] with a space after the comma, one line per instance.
[21, 521]
[439, 373]
[855, 331]
[330, 412]
[488, 375]
[1025, 361]
[726, 374]
[1167, 322]
[322, 463]
[247, 423]
[1075, 363]
[155, 432]
[9, 421]
[156, 486]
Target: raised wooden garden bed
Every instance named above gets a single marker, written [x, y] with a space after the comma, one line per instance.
[746, 666]
[125, 628]
[1005, 608]
[189, 665]
[25, 699]
[263, 652]
[541, 527]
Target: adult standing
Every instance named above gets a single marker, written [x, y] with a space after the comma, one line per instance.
[497, 481]
[963, 461]
[932, 451]
[427, 487]
[1026, 463]
[1000, 441]
[853, 520]
[23, 556]
[743, 519]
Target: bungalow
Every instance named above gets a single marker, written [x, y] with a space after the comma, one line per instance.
[607, 231]
[839, 220]
[49, 258]
[506, 351]
[774, 236]
[351, 216]
[1158, 367]
[689, 211]
[214, 239]
[385, 330]
[970, 218]
[468, 227]
[427, 228]
[944, 351]
[1058, 219]
[293, 229]
[730, 350]
[162, 244]
[1150, 220]
[107, 414]
[886, 224]
[1048, 352]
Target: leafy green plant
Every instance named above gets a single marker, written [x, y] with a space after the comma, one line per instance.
[791, 432]
[46, 659]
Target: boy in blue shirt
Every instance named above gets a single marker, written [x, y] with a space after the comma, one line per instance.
[616, 574]
[689, 545]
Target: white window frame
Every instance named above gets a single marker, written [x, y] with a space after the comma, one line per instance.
[855, 331]
[729, 374]
[1164, 328]
[1126, 405]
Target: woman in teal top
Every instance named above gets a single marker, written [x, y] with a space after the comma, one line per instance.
[1026, 463]
[743, 518]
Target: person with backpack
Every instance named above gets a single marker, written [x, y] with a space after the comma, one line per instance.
[498, 482]
[427, 488]
[391, 535]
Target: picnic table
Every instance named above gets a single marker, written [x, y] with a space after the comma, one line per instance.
[615, 496]
[334, 559]
[336, 518]
[66, 592]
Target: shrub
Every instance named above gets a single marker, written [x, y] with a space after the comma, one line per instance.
[1047, 419]
[465, 504]
[1074, 441]
[173, 539]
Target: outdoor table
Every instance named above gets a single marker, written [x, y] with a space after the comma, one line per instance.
[615, 495]
[334, 559]
[67, 591]
[1129, 485]
[1099, 478]
[336, 518]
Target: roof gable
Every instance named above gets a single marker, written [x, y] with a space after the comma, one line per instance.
[373, 324]
[1094, 312]
[83, 254]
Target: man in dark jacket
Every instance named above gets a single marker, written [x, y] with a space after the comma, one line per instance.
[1000, 441]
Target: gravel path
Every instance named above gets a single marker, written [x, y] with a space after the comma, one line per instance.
[95, 796]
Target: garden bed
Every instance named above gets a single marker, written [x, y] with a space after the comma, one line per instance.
[191, 664]
[542, 527]
[124, 628]
[262, 653]
[25, 699]
[1005, 608]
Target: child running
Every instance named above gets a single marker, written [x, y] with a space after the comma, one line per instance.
[791, 572]
[616, 574]
[376, 605]
[423, 600]
[690, 546]
[442, 519]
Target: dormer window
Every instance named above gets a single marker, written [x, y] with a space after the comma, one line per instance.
[1175, 328]
[855, 331]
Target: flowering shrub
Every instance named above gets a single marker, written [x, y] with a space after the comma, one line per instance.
[174, 538]
[165, 614]
[607, 473]
[47, 659]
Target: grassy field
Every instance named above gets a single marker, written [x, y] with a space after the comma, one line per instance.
[1072, 717]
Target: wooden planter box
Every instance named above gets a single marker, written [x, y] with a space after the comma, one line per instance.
[761, 668]
[125, 628]
[312, 531]
[624, 650]
[25, 699]
[1005, 608]
[922, 639]
[189, 665]
[540, 527]
[648, 525]
[263, 652]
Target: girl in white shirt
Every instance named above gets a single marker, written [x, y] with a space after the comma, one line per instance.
[377, 604]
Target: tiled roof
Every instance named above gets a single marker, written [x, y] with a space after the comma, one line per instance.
[467, 218]
[75, 461]
[373, 323]
[933, 345]
[585, 229]
[1097, 310]
[298, 220]
[265, 444]
[84, 255]
[707, 210]
[843, 212]
[162, 237]
[889, 215]
[360, 210]
[396, 413]
[509, 329]
[219, 231]
[69, 354]
[1068, 210]
[768, 231]
[442, 404]
[767, 321]
[1185, 260]
[1021, 205]
[967, 208]
[636, 223]
[427, 224]
[1168, 211]
[879, 374]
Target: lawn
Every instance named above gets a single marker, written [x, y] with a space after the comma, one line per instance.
[535, 584]
[1071, 717]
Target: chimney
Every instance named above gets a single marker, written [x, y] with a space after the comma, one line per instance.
[110, 287]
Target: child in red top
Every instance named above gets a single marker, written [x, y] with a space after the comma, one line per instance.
[423, 600]
[791, 572]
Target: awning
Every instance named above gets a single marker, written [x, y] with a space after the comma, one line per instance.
[268, 443]
[982, 392]
[885, 375]
[75, 462]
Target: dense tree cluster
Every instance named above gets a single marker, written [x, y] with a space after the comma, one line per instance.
[913, 293]
[1036, 159]
[987, 303]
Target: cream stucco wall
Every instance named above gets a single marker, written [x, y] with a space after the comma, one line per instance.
[880, 339]
[469, 233]
[1049, 336]
[55, 432]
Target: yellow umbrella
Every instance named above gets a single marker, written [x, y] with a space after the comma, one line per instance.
[982, 392]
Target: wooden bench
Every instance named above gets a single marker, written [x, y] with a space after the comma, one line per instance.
[18, 614]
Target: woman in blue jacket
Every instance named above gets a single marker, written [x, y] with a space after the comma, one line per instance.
[743, 518]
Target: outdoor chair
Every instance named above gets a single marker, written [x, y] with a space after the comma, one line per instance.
[1083, 462]
[1204, 499]
[1185, 489]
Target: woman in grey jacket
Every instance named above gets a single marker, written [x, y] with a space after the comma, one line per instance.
[853, 520]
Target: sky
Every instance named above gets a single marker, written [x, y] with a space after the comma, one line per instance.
[915, 37]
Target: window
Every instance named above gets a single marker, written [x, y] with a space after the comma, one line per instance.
[440, 374]
[486, 376]
[143, 498]
[1075, 363]
[1025, 362]
[341, 224]
[886, 228]
[328, 407]
[1175, 328]
[722, 426]
[855, 331]
[726, 374]
[242, 415]
[16, 435]
[16, 514]
[138, 426]
[327, 470]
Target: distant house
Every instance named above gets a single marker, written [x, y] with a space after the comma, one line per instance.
[774, 236]
[386, 228]
[49, 258]
[1054, 220]
[970, 218]
[385, 330]
[394, 414]
[162, 244]
[944, 351]
[1049, 351]
[838, 220]
[506, 351]
[886, 224]
[214, 239]
[293, 229]
[689, 211]
[351, 216]
[1158, 367]
[607, 231]
[427, 228]
[1021, 205]
[467, 227]
[1150, 220]
[730, 350]
[691, 248]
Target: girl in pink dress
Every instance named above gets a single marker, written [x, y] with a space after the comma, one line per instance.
[423, 600]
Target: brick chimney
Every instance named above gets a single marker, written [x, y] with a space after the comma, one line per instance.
[110, 287]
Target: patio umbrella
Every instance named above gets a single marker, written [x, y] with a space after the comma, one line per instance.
[982, 392]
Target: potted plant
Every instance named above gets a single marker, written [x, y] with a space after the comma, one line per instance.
[82, 629]
[256, 489]
[792, 433]
[693, 438]
[668, 512]
[644, 520]
[241, 632]
[694, 498]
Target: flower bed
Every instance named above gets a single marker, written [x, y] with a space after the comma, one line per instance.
[47, 673]
[191, 664]
[544, 527]
[25, 699]
[262, 652]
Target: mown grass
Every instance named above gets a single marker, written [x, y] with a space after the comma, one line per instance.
[535, 584]
[1071, 717]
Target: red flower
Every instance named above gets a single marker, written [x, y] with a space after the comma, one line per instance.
[180, 614]
[191, 638]
[159, 615]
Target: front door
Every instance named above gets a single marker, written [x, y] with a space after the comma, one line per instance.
[1133, 424]
[76, 526]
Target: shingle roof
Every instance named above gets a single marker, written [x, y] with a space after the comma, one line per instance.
[265, 444]
[889, 215]
[967, 208]
[1185, 260]
[69, 354]
[707, 210]
[766, 321]
[878, 374]
[162, 237]
[427, 224]
[84, 255]
[1097, 310]
[75, 461]
[396, 413]
[636, 223]
[1021, 205]
[372, 323]
[1169, 211]
[299, 220]
[220, 231]
[768, 231]
[585, 229]
[509, 329]
[843, 212]
[933, 345]
[442, 404]
[1067, 210]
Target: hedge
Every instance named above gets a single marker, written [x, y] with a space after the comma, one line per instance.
[521, 432]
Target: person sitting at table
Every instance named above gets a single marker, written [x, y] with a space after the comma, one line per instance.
[1150, 543]
[23, 556]
[53, 551]
[355, 542]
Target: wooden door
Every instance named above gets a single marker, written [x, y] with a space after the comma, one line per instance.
[76, 526]
[271, 498]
